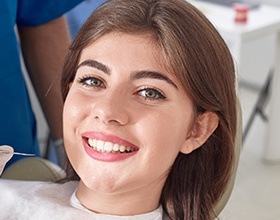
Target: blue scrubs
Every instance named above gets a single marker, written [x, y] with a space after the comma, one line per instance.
[77, 16]
[17, 121]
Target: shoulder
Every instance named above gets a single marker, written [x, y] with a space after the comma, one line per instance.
[33, 12]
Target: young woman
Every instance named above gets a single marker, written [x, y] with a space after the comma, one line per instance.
[156, 79]
[149, 113]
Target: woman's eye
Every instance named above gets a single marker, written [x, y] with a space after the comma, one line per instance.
[91, 82]
[151, 94]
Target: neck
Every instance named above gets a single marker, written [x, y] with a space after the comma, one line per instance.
[118, 203]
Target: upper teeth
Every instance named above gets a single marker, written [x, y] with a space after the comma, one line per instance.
[108, 147]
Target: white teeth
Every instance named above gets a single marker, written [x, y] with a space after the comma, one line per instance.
[108, 147]
[100, 145]
[91, 142]
[122, 148]
[116, 147]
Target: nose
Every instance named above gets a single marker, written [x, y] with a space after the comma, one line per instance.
[111, 109]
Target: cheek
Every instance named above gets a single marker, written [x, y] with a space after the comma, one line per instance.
[71, 106]
[165, 132]
[161, 138]
[73, 115]
[74, 110]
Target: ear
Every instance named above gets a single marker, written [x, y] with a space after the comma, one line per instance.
[202, 129]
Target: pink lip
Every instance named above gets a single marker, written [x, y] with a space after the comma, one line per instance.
[107, 157]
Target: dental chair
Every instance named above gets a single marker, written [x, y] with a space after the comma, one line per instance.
[34, 169]
[38, 169]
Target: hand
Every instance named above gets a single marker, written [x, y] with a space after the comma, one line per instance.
[5, 157]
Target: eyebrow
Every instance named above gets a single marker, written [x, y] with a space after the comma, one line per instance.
[136, 75]
[152, 75]
[97, 65]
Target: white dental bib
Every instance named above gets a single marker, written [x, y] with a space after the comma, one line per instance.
[44, 200]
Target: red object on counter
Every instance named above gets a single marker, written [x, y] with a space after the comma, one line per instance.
[241, 13]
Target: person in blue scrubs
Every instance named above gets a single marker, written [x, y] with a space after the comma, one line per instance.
[43, 35]
[78, 15]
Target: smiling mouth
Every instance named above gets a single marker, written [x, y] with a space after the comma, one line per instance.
[108, 147]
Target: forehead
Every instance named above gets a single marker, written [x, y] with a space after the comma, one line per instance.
[118, 43]
[144, 46]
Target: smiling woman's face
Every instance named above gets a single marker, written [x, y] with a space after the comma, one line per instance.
[126, 118]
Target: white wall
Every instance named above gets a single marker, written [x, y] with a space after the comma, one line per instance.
[271, 2]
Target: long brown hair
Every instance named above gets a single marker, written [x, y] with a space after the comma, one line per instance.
[199, 57]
